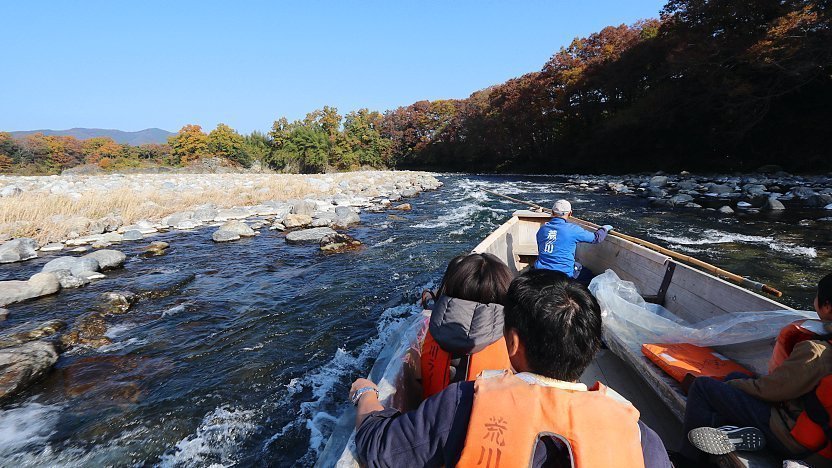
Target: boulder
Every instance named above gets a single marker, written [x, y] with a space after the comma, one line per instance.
[277, 227]
[409, 192]
[726, 210]
[818, 200]
[155, 248]
[52, 247]
[177, 218]
[338, 242]
[205, 213]
[237, 227]
[225, 236]
[156, 285]
[291, 221]
[743, 205]
[76, 265]
[322, 222]
[803, 192]
[231, 213]
[773, 204]
[40, 284]
[187, 224]
[117, 302]
[658, 181]
[21, 365]
[303, 207]
[18, 250]
[133, 235]
[755, 190]
[687, 185]
[719, 189]
[43, 330]
[403, 207]
[69, 281]
[308, 235]
[107, 259]
[681, 199]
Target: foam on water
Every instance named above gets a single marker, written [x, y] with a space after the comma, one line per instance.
[26, 427]
[712, 236]
[173, 310]
[119, 345]
[216, 441]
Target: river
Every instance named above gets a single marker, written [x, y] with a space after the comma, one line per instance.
[246, 357]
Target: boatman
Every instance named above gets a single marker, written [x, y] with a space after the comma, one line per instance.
[558, 239]
[538, 415]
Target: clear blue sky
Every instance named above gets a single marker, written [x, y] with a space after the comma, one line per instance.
[139, 64]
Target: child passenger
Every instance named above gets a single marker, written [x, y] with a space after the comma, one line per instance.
[465, 335]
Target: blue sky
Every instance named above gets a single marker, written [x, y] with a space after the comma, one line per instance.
[134, 65]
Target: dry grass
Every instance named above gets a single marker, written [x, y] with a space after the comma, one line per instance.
[49, 218]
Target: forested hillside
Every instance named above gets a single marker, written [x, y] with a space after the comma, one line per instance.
[711, 86]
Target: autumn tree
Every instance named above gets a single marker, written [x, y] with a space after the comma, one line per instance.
[226, 143]
[189, 145]
[98, 148]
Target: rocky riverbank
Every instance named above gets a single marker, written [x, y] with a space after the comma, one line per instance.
[721, 194]
[65, 217]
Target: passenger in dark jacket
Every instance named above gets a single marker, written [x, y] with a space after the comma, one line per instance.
[552, 332]
[465, 333]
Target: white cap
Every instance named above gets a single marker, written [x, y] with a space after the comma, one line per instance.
[562, 207]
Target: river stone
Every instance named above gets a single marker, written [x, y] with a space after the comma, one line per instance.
[409, 192]
[157, 285]
[205, 213]
[155, 249]
[231, 213]
[338, 242]
[403, 207]
[69, 281]
[18, 250]
[303, 207]
[277, 227]
[802, 192]
[43, 330]
[187, 224]
[828, 207]
[40, 284]
[10, 191]
[75, 265]
[237, 227]
[818, 200]
[687, 185]
[743, 204]
[773, 204]
[21, 365]
[308, 235]
[726, 210]
[177, 218]
[52, 247]
[658, 181]
[322, 222]
[107, 259]
[292, 220]
[225, 236]
[719, 189]
[681, 199]
[117, 302]
[133, 235]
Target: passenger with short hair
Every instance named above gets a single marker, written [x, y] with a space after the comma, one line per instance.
[538, 416]
[465, 334]
[777, 410]
[558, 239]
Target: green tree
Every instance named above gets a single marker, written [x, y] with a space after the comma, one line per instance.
[258, 147]
[189, 145]
[226, 143]
[307, 150]
[363, 139]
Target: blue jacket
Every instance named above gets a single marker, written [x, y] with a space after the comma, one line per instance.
[434, 435]
[556, 243]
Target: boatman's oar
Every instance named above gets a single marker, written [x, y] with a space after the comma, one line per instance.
[670, 253]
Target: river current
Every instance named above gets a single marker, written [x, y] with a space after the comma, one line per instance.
[247, 356]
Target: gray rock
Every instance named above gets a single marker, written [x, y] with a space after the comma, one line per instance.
[21, 365]
[658, 181]
[409, 192]
[205, 214]
[303, 207]
[225, 236]
[322, 222]
[403, 207]
[18, 250]
[231, 213]
[10, 191]
[338, 242]
[237, 227]
[70, 281]
[726, 210]
[177, 218]
[687, 185]
[187, 224]
[681, 199]
[277, 227]
[308, 235]
[40, 284]
[76, 265]
[719, 189]
[133, 235]
[802, 192]
[755, 190]
[291, 221]
[818, 201]
[98, 226]
[773, 204]
[52, 247]
[107, 259]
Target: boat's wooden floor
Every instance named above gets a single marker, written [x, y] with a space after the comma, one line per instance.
[608, 369]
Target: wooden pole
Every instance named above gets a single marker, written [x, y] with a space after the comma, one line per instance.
[670, 253]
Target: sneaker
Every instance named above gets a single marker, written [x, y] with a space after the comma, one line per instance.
[727, 439]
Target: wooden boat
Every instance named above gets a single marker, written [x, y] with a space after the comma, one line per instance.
[690, 294]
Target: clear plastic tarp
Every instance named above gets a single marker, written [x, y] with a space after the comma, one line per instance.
[746, 337]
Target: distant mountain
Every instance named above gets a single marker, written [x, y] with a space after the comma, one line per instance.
[149, 135]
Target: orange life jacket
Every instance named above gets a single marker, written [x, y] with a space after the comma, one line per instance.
[436, 364]
[812, 428]
[510, 415]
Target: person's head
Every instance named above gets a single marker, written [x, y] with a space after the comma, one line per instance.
[562, 209]
[482, 278]
[552, 325]
[823, 298]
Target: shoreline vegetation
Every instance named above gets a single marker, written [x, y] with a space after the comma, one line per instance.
[707, 87]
